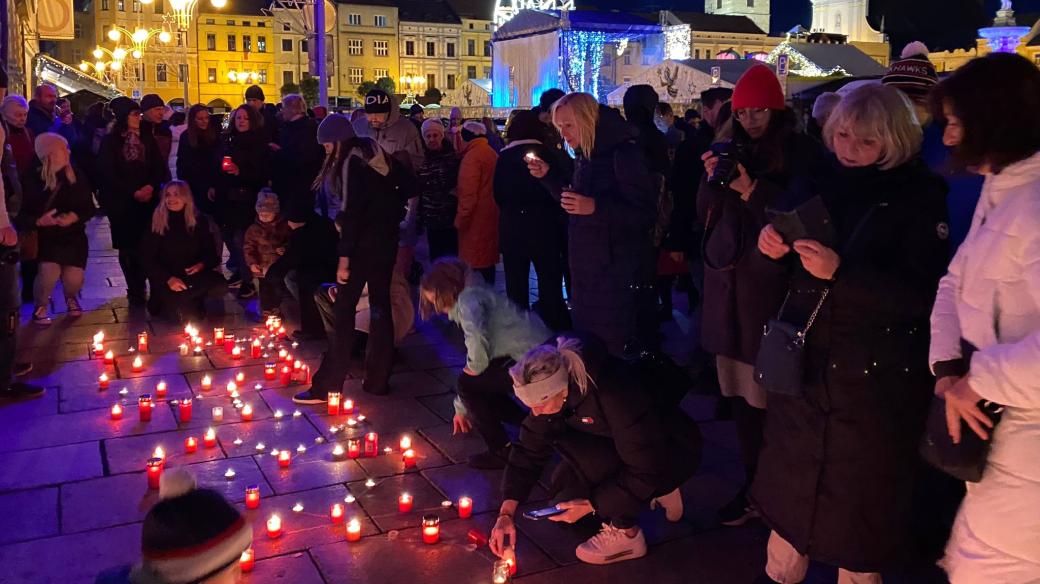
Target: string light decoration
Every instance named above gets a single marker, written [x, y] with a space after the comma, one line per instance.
[800, 65]
[622, 46]
[677, 42]
[505, 10]
[582, 57]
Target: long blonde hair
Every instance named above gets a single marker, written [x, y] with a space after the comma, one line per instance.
[46, 146]
[161, 216]
[544, 361]
[586, 113]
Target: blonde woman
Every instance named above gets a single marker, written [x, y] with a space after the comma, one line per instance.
[61, 206]
[624, 448]
[838, 466]
[612, 206]
[180, 255]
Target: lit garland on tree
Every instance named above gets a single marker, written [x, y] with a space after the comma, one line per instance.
[583, 57]
[677, 41]
[799, 64]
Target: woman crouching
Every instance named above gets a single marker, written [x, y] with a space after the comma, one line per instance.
[621, 448]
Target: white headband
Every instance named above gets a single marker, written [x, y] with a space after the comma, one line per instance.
[538, 392]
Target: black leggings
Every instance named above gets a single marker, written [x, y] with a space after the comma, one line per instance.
[750, 421]
[488, 399]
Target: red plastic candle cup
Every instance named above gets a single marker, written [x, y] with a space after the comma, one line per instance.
[477, 538]
[137, 365]
[116, 412]
[247, 413]
[255, 349]
[288, 358]
[209, 439]
[144, 407]
[409, 458]
[232, 387]
[103, 381]
[154, 468]
[354, 530]
[281, 333]
[274, 527]
[207, 383]
[405, 443]
[509, 557]
[191, 444]
[286, 374]
[282, 354]
[240, 377]
[142, 342]
[284, 458]
[184, 409]
[245, 562]
[229, 342]
[236, 352]
[252, 497]
[110, 357]
[431, 529]
[334, 397]
[371, 444]
[336, 513]
[465, 506]
[353, 448]
[218, 335]
[404, 503]
[160, 389]
[225, 163]
[270, 371]
[348, 406]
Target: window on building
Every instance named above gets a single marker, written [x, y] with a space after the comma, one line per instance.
[135, 6]
[696, 53]
[451, 49]
[431, 80]
[607, 57]
[380, 21]
[261, 24]
[230, 23]
[718, 4]
[750, 3]
[487, 72]
[180, 37]
[231, 43]
[210, 21]
[451, 81]
[646, 58]
[356, 75]
[471, 26]
[286, 45]
[139, 68]
[261, 44]
[160, 72]
[287, 77]
[104, 4]
[409, 48]
[211, 75]
[121, 5]
[262, 76]
[247, 23]
[303, 46]
[286, 27]
[354, 19]
[471, 72]
[487, 48]
[77, 55]
[378, 74]
[471, 48]
[182, 72]
[628, 57]
[626, 79]
[431, 49]
[247, 43]
[355, 47]
[382, 48]
[211, 42]
[160, 7]
[707, 53]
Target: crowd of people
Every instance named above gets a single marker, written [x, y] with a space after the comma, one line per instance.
[867, 283]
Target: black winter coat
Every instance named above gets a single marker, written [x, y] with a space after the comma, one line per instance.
[129, 218]
[658, 444]
[297, 162]
[66, 246]
[743, 289]
[837, 471]
[168, 255]
[311, 249]
[236, 206]
[684, 230]
[199, 166]
[374, 209]
[438, 178]
[531, 221]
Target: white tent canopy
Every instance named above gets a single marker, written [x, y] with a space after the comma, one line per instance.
[674, 81]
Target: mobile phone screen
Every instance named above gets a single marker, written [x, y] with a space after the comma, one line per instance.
[542, 513]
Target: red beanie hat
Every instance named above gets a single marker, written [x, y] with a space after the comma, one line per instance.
[758, 87]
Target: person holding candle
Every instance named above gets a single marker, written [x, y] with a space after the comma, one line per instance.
[180, 255]
[265, 242]
[191, 536]
[625, 446]
[496, 334]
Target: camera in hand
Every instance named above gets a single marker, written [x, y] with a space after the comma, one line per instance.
[726, 171]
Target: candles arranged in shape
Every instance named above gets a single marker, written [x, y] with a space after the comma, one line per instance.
[153, 468]
[274, 526]
[245, 563]
[336, 513]
[247, 413]
[229, 342]
[236, 352]
[240, 377]
[137, 365]
[286, 375]
[371, 444]
[404, 503]
[207, 383]
[103, 381]
[255, 349]
[334, 401]
[405, 443]
[184, 409]
[347, 407]
[116, 412]
[354, 448]
[160, 389]
[191, 444]
[431, 529]
[338, 452]
[284, 459]
[500, 572]
[209, 439]
[465, 506]
[144, 407]
[252, 497]
[509, 557]
[409, 458]
[142, 342]
[354, 530]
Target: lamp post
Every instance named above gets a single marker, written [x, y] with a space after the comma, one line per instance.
[181, 14]
[137, 41]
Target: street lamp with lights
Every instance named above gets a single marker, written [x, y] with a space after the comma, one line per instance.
[411, 85]
[243, 76]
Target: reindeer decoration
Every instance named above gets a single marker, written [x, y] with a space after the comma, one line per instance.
[668, 79]
[467, 93]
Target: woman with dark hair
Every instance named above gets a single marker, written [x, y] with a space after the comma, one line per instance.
[198, 158]
[742, 288]
[243, 176]
[131, 171]
[985, 344]
[438, 201]
[374, 189]
[532, 226]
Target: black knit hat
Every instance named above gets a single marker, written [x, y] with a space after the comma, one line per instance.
[549, 97]
[191, 534]
[377, 101]
[150, 101]
[254, 92]
[912, 73]
[122, 106]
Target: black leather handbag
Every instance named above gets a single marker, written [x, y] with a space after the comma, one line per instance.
[780, 365]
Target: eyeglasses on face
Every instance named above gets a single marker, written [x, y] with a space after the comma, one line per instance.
[756, 113]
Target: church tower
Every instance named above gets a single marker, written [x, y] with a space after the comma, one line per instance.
[756, 10]
[847, 17]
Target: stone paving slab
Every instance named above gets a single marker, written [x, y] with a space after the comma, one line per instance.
[49, 466]
[26, 515]
[105, 502]
[50, 373]
[82, 427]
[482, 486]
[211, 475]
[441, 404]
[312, 469]
[381, 500]
[295, 568]
[288, 432]
[13, 410]
[159, 364]
[78, 396]
[426, 456]
[129, 454]
[70, 559]
[456, 447]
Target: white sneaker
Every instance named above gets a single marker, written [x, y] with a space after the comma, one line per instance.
[672, 504]
[611, 545]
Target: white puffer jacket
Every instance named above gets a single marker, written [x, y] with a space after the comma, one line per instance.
[991, 298]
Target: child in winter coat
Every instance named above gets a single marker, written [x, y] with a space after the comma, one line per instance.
[265, 242]
[496, 335]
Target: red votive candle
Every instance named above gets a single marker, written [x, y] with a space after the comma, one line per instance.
[336, 513]
[209, 439]
[334, 403]
[218, 335]
[160, 389]
[509, 557]
[110, 357]
[236, 353]
[286, 374]
[154, 468]
[142, 342]
[404, 503]
[184, 409]
[348, 406]
[284, 458]
[245, 563]
[354, 530]
[405, 443]
[207, 383]
[353, 448]
[144, 407]
[431, 529]
[240, 377]
[229, 342]
[281, 333]
[247, 413]
[465, 506]
[191, 444]
[409, 458]
[116, 412]
[274, 526]
[371, 444]
[270, 371]
[252, 497]
[283, 354]
[137, 365]
[102, 381]
[255, 349]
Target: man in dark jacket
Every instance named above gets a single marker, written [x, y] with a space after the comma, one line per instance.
[297, 155]
[255, 99]
[152, 124]
[45, 116]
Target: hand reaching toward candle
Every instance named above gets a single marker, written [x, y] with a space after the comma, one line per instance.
[176, 284]
[460, 425]
[194, 269]
[575, 509]
[576, 204]
[504, 528]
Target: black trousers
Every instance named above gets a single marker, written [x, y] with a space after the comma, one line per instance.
[647, 327]
[442, 242]
[188, 304]
[272, 291]
[549, 268]
[133, 272]
[307, 283]
[488, 398]
[750, 422]
[327, 309]
[379, 357]
[9, 304]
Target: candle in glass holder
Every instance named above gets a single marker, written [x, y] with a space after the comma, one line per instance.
[110, 357]
[282, 354]
[236, 352]
[465, 506]
[232, 387]
[409, 458]
[137, 365]
[297, 369]
[274, 526]
[247, 413]
[103, 381]
[207, 383]
[371, 444]
[144, 407]
[431, 529]
[154, 468]
[336, 513]
[353, 448]
[281, 333]
[240, 377]
[404, 503]
[255, 349]
[245, 562]
[229, 342]
[500, 572]
[252, 497]
[160, 389]
[218, 335]
[191, 444]
[284, 458]
[218, 414]
[348, 406]
[354, 530]
[116, 412]
[160, 454]
[334, 403]
[270, 371]
[509, 557]
[197, 351]
[209, 439]
[338, 452]
[286, 375]
[405, 443]
[142, 342]
[184, 409]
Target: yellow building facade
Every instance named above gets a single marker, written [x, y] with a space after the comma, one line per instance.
[430, 45]
[367, 46]
[235, 50]
[476, 17]
[1029, 47]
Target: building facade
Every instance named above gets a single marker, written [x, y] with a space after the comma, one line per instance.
[846, 17]
[367, 44]
[293, 36]
[477, 23]
[235, 51]
[1028, 47]
[430, 45]
[756, 10]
